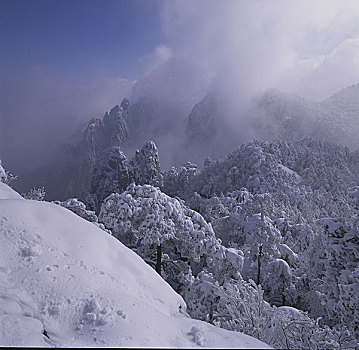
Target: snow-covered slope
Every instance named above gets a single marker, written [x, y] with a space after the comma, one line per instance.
[65, 282]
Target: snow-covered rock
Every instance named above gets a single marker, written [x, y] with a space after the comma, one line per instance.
[115, 124]
[145, 165]
[111, 173]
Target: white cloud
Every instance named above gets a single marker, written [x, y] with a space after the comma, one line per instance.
[239, 47]
[156, 58]
[324, 75]
[233, 48]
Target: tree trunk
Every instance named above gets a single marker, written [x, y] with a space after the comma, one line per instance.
[260, 254]
[159, 259]
[283, 297]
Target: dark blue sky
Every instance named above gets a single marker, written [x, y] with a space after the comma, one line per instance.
[77, 35]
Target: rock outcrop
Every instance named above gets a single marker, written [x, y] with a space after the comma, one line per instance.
[111, 173]
[114, 172]
[145, 165]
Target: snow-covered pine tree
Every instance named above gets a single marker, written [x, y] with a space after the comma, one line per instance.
[35, 194]
[144, 217]
[336, 265]
[5, 176]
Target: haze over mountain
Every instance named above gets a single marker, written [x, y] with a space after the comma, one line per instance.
[276, 115]
[207, 131]
[189, 50]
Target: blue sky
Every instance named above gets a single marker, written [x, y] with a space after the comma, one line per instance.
[77, 35]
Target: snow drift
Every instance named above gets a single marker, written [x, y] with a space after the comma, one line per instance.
[65, 282]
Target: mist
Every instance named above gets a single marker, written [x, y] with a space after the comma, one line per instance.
[234, 50]
[241, 47]
[44, 109]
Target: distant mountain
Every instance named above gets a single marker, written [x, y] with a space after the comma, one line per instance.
[344, 106]
[211, 129]
[291, 117]
[127, 126]
[277, 115]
